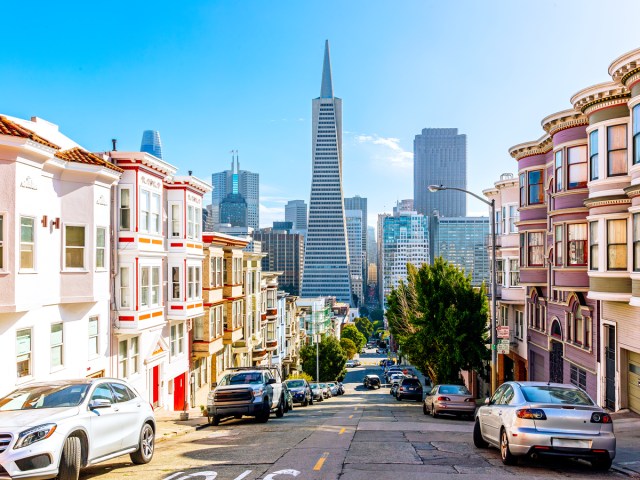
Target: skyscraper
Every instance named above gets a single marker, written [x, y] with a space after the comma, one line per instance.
[285, 253]
[360, 203]
[238, 181]
[295, 211]
[326, 262]
[440, 158]
[151, 143]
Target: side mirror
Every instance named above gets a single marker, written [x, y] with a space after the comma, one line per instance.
[99, 403]
[487, 401]
[214, 384]
[271, 381]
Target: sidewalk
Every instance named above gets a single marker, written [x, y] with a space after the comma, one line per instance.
[168, 423]
[626, 425]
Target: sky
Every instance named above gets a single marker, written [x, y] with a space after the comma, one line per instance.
[215, 76]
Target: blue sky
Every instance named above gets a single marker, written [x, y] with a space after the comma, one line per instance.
[215, 76]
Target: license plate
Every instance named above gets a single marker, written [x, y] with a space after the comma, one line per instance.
[569, 442]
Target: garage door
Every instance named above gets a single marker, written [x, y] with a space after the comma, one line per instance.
[634, 382]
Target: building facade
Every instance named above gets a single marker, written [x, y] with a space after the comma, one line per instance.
[242, 182]
[295, 211]
[326, 261]
[356, 254]
[360, 203]
[284, 253]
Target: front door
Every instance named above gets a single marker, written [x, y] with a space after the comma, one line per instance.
[556, 363]
[179, 401]
[155, 386]
[610, 367]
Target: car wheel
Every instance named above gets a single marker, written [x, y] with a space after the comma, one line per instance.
[398, 397]
[434, 414]
[311, 401]
[237, 417]
[263, 417]
[281, 409]
[146, 446]
[305, 402]
[601, 463]
[507, 457]
[214, 420]
[70, 459]
[424, 409]
[478, 440]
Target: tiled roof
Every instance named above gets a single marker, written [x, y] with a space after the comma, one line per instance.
[7, 127]
[82, 156]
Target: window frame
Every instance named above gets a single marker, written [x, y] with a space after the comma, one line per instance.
[623, 128]
[635, 132]
[144, 209]
[100, 248]
[31, 242]
[194, 282]
[514, 274]
[576, 166]
[55, 346]
[2, 249]
[82, 248]
[28, 353]
[124, 301]
[558, 158]
[578, 241]
[593, 246]
[175, 220]
[537, 246]
[593, 155]
[176, 339]
[539, 185]
[93, 338]
[155, 212]
[635, 241]
[176, 269]
[558, 244]
[619, 244]
[124, 212]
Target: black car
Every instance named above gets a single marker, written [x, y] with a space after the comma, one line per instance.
[300, 391]
[371, 381]
[409, 388]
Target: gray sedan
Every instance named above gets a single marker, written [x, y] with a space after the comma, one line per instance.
[536, 418]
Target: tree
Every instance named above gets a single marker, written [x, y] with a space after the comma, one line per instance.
[300, 375]
[348, 347]
[376, 314]
[332, 360]
[364, 311]
[351, 332]
[440, 321]
[364, 326]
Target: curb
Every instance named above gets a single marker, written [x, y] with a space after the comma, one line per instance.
[625, 471]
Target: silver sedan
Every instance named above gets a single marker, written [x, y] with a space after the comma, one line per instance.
[536, 418]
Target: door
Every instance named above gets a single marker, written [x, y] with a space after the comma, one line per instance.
[556, 363]
[179, 384]
[610, 367]
[633, 388]
[155, 386]
[130, 410]
[106, 423]
[491, 415]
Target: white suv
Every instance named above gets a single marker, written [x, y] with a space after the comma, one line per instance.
[56, 428]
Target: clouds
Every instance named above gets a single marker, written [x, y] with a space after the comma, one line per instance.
[386, 151]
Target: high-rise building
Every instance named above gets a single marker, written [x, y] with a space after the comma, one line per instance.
[283, 226]
[326, 263]
[404, 206]
[234, 210]
[462, 241]
[285, 253]
[237, 181]
[360, 203]
[372, 246]
[295, 211]
[440, 158]
[403, 238]
[356, 254]
[151, 143]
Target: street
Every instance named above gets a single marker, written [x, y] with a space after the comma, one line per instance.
[355, 436]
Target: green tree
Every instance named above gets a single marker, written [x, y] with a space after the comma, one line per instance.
[300, 375]
[348, 347]
[351, 332]
[364, 326]
[332, 360]
[440, 321]
[376, 314]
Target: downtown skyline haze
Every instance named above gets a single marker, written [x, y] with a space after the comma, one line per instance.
[217, 76]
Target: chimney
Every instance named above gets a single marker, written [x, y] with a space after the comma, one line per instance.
[190, 172]
[114, 142]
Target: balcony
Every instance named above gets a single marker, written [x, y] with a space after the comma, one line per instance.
[259, 353]
[133, 322]
[204, 349]
[183, 310]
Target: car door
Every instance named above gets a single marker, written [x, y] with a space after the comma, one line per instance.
[276, 389]
[130, 413]
[428, 400]
[106, 423]
[490, 415]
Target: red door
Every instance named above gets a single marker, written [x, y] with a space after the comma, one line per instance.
[179, 391]
[155, 389]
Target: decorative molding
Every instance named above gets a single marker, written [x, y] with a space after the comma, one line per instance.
[605, 201]
[29, 183]
[101, 201]
[542, 146]
[632, 191]
[613, 101]
[563, 120]
[599, 96]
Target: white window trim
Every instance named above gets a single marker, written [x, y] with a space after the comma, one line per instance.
[105, 248]
[92, 355]
[146, 227]
[128, 270]
[55, 368]
[19, 243]
[172, 219]
[155, 217]
[30, 353]
[129, 359]
[131, 208]
[180, 285]
[177, 339]
[64, 248]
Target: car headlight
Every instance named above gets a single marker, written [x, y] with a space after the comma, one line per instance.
[258, 392]
[35, 434]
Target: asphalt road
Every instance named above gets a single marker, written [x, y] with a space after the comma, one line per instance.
[361, 435]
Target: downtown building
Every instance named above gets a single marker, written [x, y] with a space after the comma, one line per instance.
[360, 203]
[284, 253]
[231, 185]
[326, 262]
[356, 255]
[295, 211]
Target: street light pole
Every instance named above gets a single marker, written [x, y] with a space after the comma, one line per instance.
[494, 288]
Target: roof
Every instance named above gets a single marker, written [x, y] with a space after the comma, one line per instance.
[7, 127]
[79, 155]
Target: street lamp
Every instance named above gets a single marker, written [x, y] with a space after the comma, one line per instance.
[492, 204]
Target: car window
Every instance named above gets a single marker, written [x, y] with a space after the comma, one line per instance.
[555, 395]
[410, 381]
[498, 395]
[102, 392]
[455, 390]
[433, 391]
[242, 378]
[295, 383]
[121, 392]
[507, 396]
[44, 396]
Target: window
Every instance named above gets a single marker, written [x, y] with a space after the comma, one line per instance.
[499, 221]
[535, 249]
[499, 272]
[576, 324]
[616, 150]
[155, 286]
[74, 241]
[1, 242]
[176, 220]
[225, 275]
[177, 339]
[636, 134]
[155, 213]
[216, 271]
[522, 249]
[578, 377]
[523, 195]
[593, 245]
[536, 192]
[101, 234]
[56, 345]
[504, 315]
[577, 167]
[617, 244]
[593, 155]
[558, 170]
[23, 352]
[514, 272]
[145, 283]
[636, 242]
[175, 283]
[93, 337]
[27, 244]
[128, 357]
[558, 245]
[123, 359]
[134, 354]
[121, 393]
[193, 282]
[145, 199]
[514, 216]
[191, 221]
[577, 243]
[519, 324]
[125, 209]
[198, 328]
[125, 289]
[149, 286]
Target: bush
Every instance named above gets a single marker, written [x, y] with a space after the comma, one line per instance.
[300, 375]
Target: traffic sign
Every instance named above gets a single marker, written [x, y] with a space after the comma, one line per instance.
[503, 348]
[503, 331]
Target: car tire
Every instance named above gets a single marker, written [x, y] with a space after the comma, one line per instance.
[70, 459]
[311, 401]
[263, 416]
[281, 408]
[505, 454]
[424, 409]
[601, 464]
[214, 420]
[146, 446]
[478, 440]
[434, 414]
[305, 402]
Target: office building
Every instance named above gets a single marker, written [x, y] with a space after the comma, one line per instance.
[326, 264]
[234, 210]
[284, 253]
[440, 158]
[151, 143]
[295, 211]
[360, 203]
[356, 254]
[237, 181]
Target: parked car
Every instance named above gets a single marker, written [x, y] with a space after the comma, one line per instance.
[288, 398]
[326, 391]
[395, 378]
[452, 399]
[350, 364]
[371, 381]
[340, 388]
[53, 429]
[536, 418]
[300, 391]
[409, 387]
[333, 388]
[357, 362]
[393, 389]
[317, 391]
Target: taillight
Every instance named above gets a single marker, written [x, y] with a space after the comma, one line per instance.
[468, 400]
[597, 417]
[402, 389]
[531, 414]
[444, 399]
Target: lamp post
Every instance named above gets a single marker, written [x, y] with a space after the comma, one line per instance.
[492, 204]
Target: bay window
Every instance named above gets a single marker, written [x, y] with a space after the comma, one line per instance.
[593, 245]
[27, 243]
[176, 220]
[536, 191]
[636, 242]
[154, 220]
[535, 249]
[125, 209]
[74, 243]
[149, 286]
[193, 282]
[176, 293]
[617, 244]
[125, 289]
[191, 222]
[145, 200]
[499, 266]
[514, 272]
[636, 134]
[577, 243]
[558, 245]
[523, 191]
[577, 167]
[616, 150]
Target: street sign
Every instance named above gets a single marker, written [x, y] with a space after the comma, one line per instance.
[503, 348]
[503, 331]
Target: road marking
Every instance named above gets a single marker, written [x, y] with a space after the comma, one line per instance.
[355, 408]
[320, 461]
[242, 475]
[342, 430]
[350, 416]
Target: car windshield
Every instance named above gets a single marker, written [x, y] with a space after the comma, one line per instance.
[323, 385]
[314, 386]
[44, 396]
[331, 384]
[454, 390]
[295, 383]
[241, 378]
[558, 395]
[410, 381]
